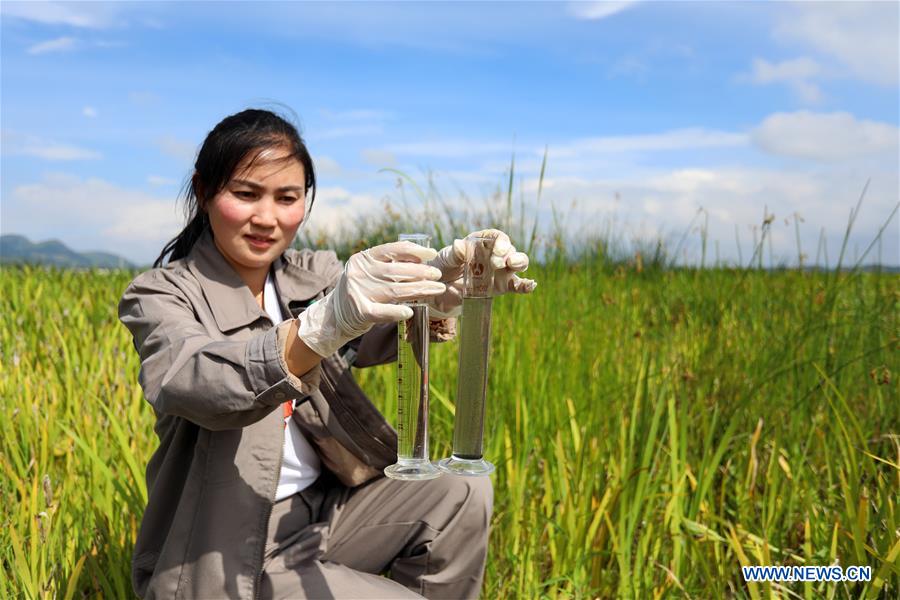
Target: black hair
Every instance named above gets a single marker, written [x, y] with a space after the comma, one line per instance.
[230, 142]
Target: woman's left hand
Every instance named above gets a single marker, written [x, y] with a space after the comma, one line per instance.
[505, 260]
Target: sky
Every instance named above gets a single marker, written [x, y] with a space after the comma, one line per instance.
[656, 117]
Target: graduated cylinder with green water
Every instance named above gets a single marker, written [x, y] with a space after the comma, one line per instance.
[474, 352]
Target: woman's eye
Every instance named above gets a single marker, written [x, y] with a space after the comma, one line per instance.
[243, 194]
[289, 199]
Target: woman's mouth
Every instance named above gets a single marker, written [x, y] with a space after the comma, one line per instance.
[259, 242]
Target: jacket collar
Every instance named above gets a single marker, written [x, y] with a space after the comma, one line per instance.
[229, 298]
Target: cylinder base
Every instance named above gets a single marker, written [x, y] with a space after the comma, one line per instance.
[412, 469]
[461, 466]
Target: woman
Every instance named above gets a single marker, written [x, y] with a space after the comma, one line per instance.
[268, 478]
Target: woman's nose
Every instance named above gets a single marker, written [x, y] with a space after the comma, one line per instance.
[264, 215]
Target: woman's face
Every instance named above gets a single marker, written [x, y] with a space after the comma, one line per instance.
[255, 216]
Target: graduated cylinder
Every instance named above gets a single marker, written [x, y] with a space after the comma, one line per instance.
[474, 353]
[413, 462]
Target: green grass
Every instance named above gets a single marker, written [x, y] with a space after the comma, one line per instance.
[653, 430]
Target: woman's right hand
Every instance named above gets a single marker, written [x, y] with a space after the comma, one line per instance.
[369, 291]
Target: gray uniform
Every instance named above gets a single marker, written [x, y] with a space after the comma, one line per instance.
[213, 368]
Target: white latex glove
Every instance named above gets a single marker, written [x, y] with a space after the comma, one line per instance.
[505, 260]
[374, 281]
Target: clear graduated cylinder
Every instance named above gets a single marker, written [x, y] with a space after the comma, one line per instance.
[412, 384]
[412, 391]
[474, 352]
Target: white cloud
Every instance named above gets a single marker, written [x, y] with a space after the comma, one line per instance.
[861, 36]
[68, 44]
[667, 202]
[787, 70]
[28, 145]
[362, 130]
[598, 10]
[61, 44]
[177, 148]
[337, 208]
[117, 216]
[358, 122]
[89, 15]
[825, 136]
[109, 44]
[53, 151]
[149, 221]
[157, 180]
[457, 148]
[678, 139]
[807, 91]
[796, 73]
[597, 186]
[379, 158]
[327, 166]
[89, 112]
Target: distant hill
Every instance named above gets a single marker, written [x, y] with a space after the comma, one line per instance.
[19, 249]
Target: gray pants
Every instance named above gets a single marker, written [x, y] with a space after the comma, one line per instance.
[330, 541]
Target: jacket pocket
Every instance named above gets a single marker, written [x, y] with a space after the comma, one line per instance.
[370, 434]
[142, 568]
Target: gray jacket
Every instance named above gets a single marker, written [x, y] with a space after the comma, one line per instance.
[213, 368]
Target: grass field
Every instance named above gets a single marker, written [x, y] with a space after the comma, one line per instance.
[653, 430]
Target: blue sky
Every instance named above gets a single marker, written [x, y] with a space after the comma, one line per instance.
[649, 111]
